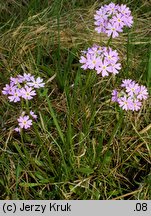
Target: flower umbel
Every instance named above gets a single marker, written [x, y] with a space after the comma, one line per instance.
[130, 96]
[103, 60]
[22, 86]
[111, 19]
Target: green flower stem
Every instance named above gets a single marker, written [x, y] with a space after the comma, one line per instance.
[27, 106]
[109, 41]
[23, 145]
[117, 127]
[22, 104]
[43, 146]
[55, 120]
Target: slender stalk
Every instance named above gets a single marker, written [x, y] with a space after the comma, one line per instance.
[55, 119]
[27, 106]
[116, 128]
[109, 41]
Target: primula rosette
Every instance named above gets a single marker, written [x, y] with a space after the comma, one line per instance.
[131, 95]
[103, 60]
[110, 19]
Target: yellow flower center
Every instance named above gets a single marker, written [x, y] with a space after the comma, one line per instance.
[24, 122]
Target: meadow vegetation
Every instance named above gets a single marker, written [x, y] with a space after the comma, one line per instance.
[82, 146]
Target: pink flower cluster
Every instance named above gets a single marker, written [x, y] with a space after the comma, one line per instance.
[130, 96]
[103, 60]
[25, 121]
[110, 19]
[22, 86]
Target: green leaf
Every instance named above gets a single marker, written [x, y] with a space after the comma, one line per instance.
[107, 157]
[86, 170]
[25, 184]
